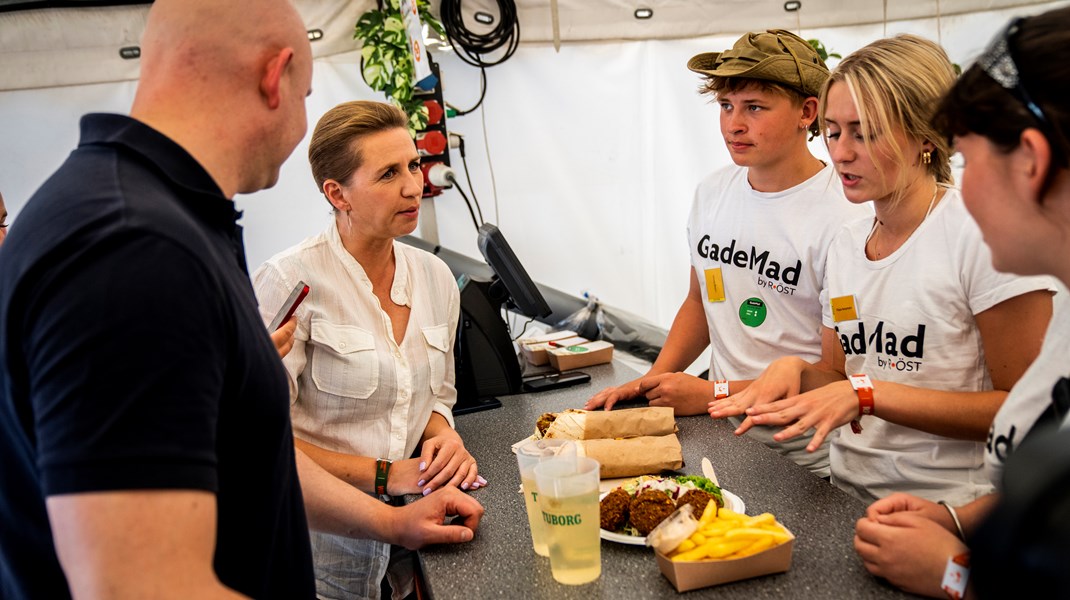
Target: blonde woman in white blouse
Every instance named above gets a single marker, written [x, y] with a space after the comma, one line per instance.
[371, 371]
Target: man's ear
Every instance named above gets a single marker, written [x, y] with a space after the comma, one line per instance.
[272, 78]
[1034, 152]
[809, 112]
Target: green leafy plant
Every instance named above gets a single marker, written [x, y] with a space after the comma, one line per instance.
[386, 58]
[822, 51]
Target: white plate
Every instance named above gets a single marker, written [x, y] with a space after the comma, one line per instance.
[731, 501]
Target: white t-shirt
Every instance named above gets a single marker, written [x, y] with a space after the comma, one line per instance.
[1031, 397]
[916, 327]
[770, 250]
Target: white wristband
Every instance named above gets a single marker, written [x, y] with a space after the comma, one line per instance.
[956, 575]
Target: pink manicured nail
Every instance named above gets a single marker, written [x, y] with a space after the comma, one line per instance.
[427, 491]
[420, 483]
[480, 479]
[464, 486]
[423, 466]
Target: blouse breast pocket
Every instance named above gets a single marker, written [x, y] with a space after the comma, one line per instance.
[344, 361]
[438, 344]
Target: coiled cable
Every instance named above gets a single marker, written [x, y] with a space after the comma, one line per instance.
[472, 47]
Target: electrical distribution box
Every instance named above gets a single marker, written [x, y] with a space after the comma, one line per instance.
[432, 142]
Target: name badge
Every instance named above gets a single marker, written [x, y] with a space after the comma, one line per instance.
[844, 309]
[714, 285]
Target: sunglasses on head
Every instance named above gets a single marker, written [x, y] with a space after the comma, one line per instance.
[998, 63]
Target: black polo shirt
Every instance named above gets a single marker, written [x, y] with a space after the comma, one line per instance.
[132, 356]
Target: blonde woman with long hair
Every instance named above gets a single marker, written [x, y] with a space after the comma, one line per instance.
[922, 338]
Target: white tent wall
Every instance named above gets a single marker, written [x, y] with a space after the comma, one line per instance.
[595, 150]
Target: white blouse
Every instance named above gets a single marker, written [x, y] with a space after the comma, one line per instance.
[353, 389]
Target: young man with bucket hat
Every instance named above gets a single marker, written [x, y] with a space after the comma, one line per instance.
[758, 233]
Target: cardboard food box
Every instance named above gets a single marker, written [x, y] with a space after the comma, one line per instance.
[534, 350]
[577, 356]
[692, 575]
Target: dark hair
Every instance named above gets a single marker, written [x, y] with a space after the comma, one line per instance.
[978, 104]
[718, 86]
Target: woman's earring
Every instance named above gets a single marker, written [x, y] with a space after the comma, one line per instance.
[926, 157]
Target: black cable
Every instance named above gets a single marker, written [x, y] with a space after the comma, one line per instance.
[471, 47]
[482, 94]
[468, 176]
[524, 330]
[467, 203]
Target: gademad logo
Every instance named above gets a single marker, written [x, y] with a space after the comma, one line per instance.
[896, 350]
[755, 261]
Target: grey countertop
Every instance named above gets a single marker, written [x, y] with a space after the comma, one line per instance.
[500, 562]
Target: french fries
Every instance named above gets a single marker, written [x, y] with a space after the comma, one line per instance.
[723, 534]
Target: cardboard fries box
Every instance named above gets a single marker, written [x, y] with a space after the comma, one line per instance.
[534, 350]
[577, 356]
[692, 575]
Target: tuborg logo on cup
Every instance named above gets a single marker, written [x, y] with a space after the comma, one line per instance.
[561, 519]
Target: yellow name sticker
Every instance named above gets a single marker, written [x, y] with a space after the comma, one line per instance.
[843, 309]
[714, 285]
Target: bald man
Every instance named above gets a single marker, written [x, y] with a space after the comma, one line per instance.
[3, 224]
[145, 441]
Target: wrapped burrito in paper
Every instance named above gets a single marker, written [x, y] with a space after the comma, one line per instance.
[600, 424]
[634, 456]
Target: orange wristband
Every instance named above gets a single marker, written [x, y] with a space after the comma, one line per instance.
[720, 389]
[864, 388]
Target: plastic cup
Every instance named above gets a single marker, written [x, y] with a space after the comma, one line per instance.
[528, 455]
[568, 499]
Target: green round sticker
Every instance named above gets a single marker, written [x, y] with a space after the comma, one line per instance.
[752, 312]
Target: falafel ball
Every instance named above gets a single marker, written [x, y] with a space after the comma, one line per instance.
[650, 508]
[613, 510]
[698, 499]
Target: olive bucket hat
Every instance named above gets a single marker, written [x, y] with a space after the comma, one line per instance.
[775, 55]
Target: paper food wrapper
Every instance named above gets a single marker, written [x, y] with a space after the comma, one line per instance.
[634, 456]
[600, 424]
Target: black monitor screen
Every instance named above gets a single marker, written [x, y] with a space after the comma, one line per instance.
[524, 294]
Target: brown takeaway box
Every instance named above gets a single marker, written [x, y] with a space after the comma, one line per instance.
[693, 575]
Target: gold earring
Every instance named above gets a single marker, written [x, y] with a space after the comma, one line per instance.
[926, 157]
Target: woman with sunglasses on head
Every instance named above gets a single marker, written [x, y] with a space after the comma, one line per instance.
[915, 307]
[1009, 119]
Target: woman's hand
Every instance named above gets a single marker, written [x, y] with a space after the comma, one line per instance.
[283, 338]
[907, 549]
[781, 379]
[403, 478]
[823, 409]
[445, 461]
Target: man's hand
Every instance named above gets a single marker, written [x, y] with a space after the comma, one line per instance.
[283, 338]
[686, 394]
[422, 523]
[608, 397]
[907, 549]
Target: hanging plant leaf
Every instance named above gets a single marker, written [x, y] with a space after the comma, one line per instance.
[387, 58]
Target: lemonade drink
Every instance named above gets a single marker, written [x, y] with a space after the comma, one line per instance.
[538, 531]
[572, 527]
[568, 501]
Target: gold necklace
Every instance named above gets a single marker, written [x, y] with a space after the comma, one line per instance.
[872, 237]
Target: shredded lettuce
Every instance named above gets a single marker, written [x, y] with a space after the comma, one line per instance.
[700, 483]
